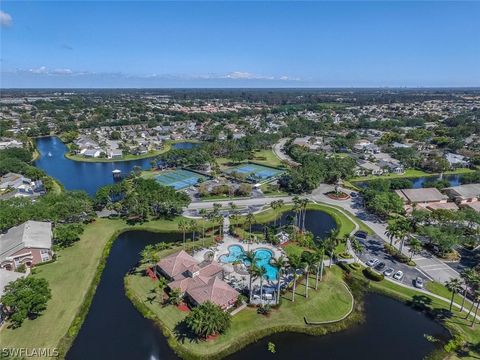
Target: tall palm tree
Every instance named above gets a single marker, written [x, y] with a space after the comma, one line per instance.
[308, 260]
[454, 285]
[415, 247]
[260, 272]
[280, 263]
[392, 232]
[357, 247]
[474, 285]
[476, 298]
[295, 264]
[304, 204]
[203, 213]
[193, 227]
[250, 220]
[249, 256]
[280, 204]
[274, 205]
[183, 226]
[468, 274]
[319, 255]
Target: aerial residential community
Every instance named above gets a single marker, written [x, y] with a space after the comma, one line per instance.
[264, 180]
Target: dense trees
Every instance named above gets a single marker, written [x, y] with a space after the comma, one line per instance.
[25, 298]
[66, 207]
[66, 235]
[207, 319]
[140, 198]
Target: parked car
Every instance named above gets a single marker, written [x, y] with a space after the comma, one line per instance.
[372, 262]
[398, 275]
[380, 266]
[361, 235]
[419, 282]
[389, 272]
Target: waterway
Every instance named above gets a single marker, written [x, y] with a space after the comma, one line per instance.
[81, 175]
[114, 329]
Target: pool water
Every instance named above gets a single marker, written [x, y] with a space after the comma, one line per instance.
[262, 259]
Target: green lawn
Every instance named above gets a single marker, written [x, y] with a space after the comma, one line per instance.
[440, 289]
[330, 302]
[270, 158]
[70, 278]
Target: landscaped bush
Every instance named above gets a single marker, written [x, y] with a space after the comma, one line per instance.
[398, 256]
[345, 267]
[355, 266]
[372, 275]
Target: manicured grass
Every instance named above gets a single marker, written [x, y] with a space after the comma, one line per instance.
[270, 158]
[456, 324]
[70, 278]
[330, 302]
[440, 289]
[410, 173]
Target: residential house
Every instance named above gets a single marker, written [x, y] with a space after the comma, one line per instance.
[91, 153]
[426, 198]
[115, 154]
[7, 143]
[456, 160]
[197, 282]
[29, 243]
[368, 168]
[464, 194]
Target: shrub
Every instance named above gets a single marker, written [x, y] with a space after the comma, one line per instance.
[398, 255]
[372, 275]
[264, 310]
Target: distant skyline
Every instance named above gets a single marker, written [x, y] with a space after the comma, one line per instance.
[69, 44]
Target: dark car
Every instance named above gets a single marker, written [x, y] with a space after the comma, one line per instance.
[380, 266]
[361, 235]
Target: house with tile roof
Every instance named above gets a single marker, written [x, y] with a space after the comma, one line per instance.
[197, 282]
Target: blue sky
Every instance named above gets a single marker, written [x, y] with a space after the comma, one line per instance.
[239, 44]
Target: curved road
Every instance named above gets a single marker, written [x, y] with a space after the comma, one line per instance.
[278, 151]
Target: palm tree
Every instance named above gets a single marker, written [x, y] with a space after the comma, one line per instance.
[183, 226]
[357, 247]
[280, 204]
[296, 210]
[468, 274]
[203, 213]
[249, 256]
[476, 298]
[149, 255]
[295, 264]
[274, 205]
[319, 255]
[454, 285]
[193, 227]
[392, 232]
[162, 284]
[415, 247]
[280, 263]
[304, 204]
[474, 284]
[250, 220]
[307, 260]
[259, 272]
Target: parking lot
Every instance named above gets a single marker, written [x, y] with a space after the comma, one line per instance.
[373, 249]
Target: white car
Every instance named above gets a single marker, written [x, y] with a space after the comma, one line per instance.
[398, 275]
[419, 282]
[372, 262]
[389, 272]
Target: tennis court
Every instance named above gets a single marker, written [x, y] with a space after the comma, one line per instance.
[256, 172]
[178, 179]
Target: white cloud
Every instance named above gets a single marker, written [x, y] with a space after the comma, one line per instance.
[62, 72]
[5, 19]
[39, 70]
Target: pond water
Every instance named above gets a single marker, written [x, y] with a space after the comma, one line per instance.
[316, 221]
[79, 175]
[114, 329]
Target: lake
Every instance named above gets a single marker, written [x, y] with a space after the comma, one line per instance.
[319, 223]
[114, 329]
[79, 175]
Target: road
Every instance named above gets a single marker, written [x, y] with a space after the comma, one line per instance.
[429, 265]
[278, 151]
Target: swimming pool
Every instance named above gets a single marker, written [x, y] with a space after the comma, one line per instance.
[262, 259]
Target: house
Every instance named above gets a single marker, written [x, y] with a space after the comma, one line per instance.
[456, 160]
[392, 166]
[6, 143]
[20, 185]
[13, 181]
[423, 196]
[197, 282]
[115, 154]
[91, 153]
[464, 194]
[29, 243]
[368, 168]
